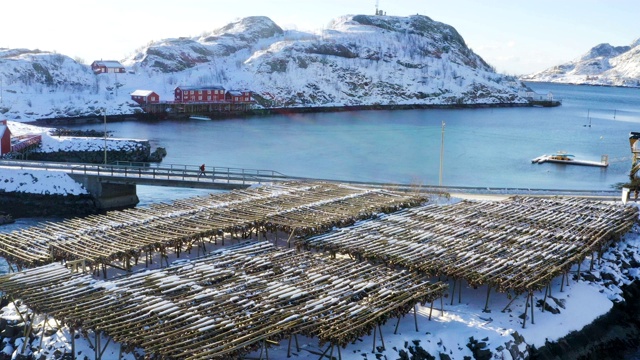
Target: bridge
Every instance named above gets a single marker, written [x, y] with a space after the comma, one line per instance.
[173, 175]
[114, 185]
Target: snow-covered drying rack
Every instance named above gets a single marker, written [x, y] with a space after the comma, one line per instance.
[119, 238]
[228, 303]
[516, 246]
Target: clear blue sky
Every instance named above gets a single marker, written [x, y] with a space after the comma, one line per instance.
[515, 36]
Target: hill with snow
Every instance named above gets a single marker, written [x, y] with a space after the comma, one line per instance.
[357, 60]
[604, 64]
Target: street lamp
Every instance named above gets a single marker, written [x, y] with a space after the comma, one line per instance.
[441, 155]
[104, 112]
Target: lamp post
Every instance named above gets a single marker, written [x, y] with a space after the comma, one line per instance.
[104, 112]
[441, 155]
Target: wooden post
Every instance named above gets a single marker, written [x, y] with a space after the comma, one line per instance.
[97, 345]
[526, 307]
[381, 337]
[579, 264]
[289, 347]
[453, 291]
[486, 304]
[562, 283]
[27, 331]
[415, 316]
[510, 302]
[431, 309]
[373, 349]
[460, 291]
[73, 343]
[290, 237]
[397, 323]
[532, 307]
[544, 301]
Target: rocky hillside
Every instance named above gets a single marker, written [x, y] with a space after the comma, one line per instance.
[602, 65]
[357, 60]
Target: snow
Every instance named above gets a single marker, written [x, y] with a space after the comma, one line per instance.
[49, 182]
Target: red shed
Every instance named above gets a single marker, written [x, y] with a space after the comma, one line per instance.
[196, 94]
[5, 138]
[145, 97]
[238, 96]
[107, 66]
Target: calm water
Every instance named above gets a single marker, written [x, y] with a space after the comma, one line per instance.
[482, 147]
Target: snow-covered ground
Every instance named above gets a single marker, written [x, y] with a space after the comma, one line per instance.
[48, 182]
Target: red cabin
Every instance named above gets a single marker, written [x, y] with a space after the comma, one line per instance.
[143, 97]
[107, 66]
[238, 96]
[199, 94]
[5, 138]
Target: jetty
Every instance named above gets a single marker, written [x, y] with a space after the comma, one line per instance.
[563, 158]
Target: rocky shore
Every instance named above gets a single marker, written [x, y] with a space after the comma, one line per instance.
[24, 205]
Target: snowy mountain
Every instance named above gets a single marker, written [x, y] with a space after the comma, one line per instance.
[357, 60]
[602, 65]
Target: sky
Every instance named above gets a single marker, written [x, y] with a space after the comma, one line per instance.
[516, 37]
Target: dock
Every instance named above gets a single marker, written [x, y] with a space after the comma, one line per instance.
[570, 160]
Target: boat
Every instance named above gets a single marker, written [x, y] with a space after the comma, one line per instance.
[199, 117]
[564, 158]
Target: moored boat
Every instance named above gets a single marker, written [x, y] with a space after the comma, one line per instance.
[564, 158]
[199, 117]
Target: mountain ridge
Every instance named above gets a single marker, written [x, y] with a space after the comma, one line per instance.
[357, 60]
[604, 65]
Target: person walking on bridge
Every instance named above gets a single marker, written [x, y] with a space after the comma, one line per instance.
[201, 171]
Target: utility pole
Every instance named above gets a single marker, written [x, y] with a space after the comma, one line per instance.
[441, 155]
[104, 112]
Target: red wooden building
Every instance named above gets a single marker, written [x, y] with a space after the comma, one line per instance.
[5, 138]
[107, 66]
[199, 94]
[143, 97]
[238, 96]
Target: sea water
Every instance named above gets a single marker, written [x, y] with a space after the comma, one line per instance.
[487, 147]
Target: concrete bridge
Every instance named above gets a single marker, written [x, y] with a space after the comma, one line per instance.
[114, 185]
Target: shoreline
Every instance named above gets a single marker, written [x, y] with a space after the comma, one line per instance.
[145, 116]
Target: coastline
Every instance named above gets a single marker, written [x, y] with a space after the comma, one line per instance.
[144, 116]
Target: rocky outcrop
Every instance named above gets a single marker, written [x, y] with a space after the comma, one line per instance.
[44, 205]
[141, 153]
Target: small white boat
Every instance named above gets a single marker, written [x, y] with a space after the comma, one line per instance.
[564, 158]
[199, 117]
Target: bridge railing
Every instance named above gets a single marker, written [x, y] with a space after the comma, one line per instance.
[153, 171]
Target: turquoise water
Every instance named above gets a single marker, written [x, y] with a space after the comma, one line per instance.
[482, 147]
